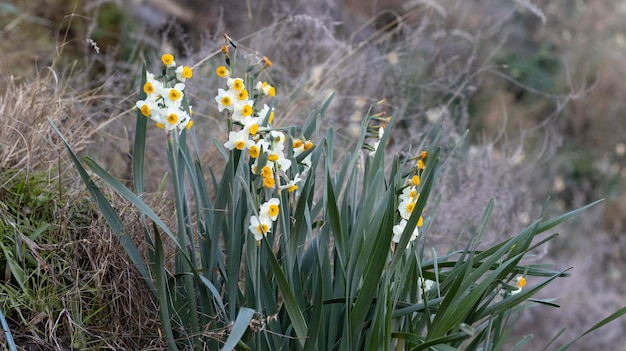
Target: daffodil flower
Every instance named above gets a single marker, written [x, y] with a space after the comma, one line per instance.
[399, 228]
[235, 84]
[238, 140]
[270, 209]
[260, 226]
[520, 283]
[292, 185]
[225, 100]
[266, 115]
[183, 73]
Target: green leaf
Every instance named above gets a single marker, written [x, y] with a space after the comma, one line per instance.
[551, 223]
[239, 328]
[139, 147]
[289, 300]
[163, 291]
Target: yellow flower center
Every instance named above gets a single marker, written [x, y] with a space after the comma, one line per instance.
[145, 110]
[174, 94]
[243, 94]
[172, 118]
[167, 59]
[410, 207]
[420, 221]
[423, 155]
[297, 143]
[238, 84]
[308, 145]
[272, 157]
[189, 124]
[269, 121]
[160, 125]
[521, 282]
[292, 188]
[187, 73]
[263, 228]
[254, 151]
[254, 129]
[226, 101]
[148, 88]
[268, 182]
[246, 110]
[273, 210]
[221, 71]
[415, 180]
[266, 172]
[272, 92]
[224, 49]
[240, 145]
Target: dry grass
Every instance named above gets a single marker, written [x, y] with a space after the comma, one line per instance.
[83, 291]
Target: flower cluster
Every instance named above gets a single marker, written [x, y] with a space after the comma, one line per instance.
[251, 131]
[165, 101]
[407, 201]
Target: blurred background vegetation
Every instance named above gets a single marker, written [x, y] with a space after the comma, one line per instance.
[538, 84]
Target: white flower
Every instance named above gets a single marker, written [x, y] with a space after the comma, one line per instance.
[260, 226]
[251, 125]
[225, 99]
[405, 208]
[235, 83]
[399, 228]
[520, 282]
[266, 115]
[425, 284]
[238, 140]
[183, 73]
[242, 110]
[270, 209]
[173, 97]
[292, 185]
[409, 194]
[148, 107]
[277, 142]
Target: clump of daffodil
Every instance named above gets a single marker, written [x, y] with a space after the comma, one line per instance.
[165, 101]
[247, 105]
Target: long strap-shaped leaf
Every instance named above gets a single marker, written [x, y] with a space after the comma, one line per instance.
[293, 310]
[239, 328]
